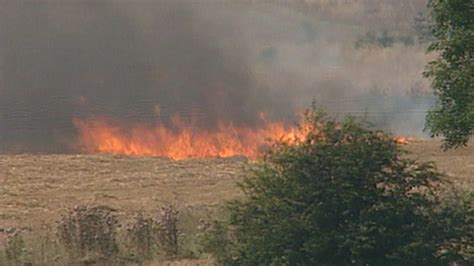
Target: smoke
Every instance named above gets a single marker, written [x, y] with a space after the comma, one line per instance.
[207, 61]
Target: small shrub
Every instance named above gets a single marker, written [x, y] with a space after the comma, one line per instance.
[28, 247]
[193, 229]
[407, 40]
[89, 230]
[15, 249]
[380, 40]
[148, 236]
[143, 237]
[216, 240]
[386, 40]
[365, 41]
[168, 237]
[44, 248]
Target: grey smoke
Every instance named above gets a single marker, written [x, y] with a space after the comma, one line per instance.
[208, 61]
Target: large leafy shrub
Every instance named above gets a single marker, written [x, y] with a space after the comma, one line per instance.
[344, 195]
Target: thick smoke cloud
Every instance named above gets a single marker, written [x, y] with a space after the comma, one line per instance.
[120, 60]
[147, 60]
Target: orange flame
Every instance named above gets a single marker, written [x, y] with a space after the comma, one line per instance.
[401, 140]
[98, 134]
[181, 140]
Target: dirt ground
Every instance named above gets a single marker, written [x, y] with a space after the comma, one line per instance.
[35, 189]
[457, 164]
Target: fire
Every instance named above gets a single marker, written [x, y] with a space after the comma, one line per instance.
[98, 134]
[401, 140]
[181, 140]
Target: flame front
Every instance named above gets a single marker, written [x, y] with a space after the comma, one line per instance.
[99, 134]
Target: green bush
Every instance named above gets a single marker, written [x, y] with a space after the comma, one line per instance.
[344, 195]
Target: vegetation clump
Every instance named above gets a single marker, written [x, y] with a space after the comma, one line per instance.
[169, 233]
[142, 237]
[149, 236]
[452, 73]
[89, 232]
[15, 250]
[344, 195]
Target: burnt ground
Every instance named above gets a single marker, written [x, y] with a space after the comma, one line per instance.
[36, 189]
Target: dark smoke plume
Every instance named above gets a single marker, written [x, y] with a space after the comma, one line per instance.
[55, 53]
[147, 60]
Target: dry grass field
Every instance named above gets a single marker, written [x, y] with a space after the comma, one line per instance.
[37, 188]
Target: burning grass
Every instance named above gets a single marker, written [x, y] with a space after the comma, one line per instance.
[179, 141]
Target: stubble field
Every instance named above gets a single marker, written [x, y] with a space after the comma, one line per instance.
[36, 189]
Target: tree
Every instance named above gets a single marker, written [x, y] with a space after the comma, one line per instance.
[343, 195]
[452, 73]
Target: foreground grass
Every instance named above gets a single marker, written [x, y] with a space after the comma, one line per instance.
[93, 238]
